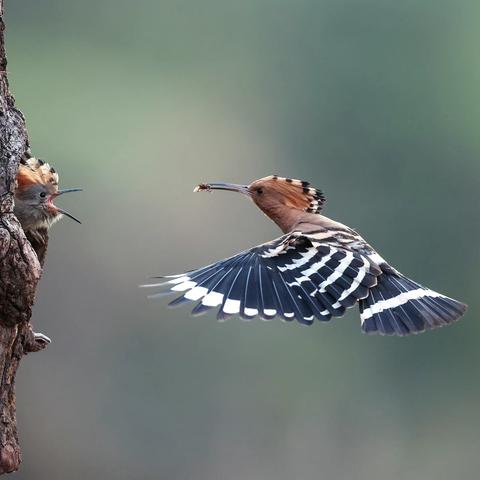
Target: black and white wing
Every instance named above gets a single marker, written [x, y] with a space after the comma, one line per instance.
[399, 306]
[295, 277]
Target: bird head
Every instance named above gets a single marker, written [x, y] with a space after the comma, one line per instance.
[285, 200]
[37, 188]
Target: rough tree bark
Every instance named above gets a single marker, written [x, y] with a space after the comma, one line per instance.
[20, 269]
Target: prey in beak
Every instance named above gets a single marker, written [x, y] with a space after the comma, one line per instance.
[231, 187]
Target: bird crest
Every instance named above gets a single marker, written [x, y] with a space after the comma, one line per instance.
[36, 171]
[297, 194]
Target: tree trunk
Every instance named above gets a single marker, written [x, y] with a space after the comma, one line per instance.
[20, 269]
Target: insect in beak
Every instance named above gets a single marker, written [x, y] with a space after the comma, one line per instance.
[232, 187]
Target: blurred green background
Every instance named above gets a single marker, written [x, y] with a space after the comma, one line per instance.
[374, 101]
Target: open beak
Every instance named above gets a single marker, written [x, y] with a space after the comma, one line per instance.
[231, 187]
[68, 190]
[61, 210]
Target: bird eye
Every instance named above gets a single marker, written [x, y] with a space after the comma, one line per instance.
[259, 190]
[43, 194]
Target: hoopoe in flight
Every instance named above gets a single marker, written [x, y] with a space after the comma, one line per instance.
[317, 269]
[37, 188]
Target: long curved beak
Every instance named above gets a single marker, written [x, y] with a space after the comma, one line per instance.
[68, 190]
[61, 210]
[69, 215]
[231, 187]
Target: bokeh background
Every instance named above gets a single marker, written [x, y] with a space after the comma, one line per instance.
[374, 101]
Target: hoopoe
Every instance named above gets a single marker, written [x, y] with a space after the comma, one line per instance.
[37, 188]
[317, 269]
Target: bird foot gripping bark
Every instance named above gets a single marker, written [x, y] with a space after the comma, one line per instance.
[35, 341]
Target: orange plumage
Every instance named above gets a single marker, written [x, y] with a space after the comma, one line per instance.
[296, 194]
[35, 171]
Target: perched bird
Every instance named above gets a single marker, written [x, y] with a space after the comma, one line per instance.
[37, 188]
[317, 269]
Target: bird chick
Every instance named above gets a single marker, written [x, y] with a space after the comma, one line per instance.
[317, 269]
[37, 188]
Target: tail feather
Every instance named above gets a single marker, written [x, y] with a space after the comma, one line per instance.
[400, 306]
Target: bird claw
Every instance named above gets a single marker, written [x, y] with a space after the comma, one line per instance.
[41, 339]
[34, 342]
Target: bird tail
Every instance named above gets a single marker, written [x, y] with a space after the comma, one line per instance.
[400, 306]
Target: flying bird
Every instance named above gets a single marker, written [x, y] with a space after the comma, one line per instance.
[37, 188]
[317, 269]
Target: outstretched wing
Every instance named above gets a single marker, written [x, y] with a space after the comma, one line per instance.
[295, 276]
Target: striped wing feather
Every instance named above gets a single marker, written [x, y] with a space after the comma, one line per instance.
[400, 306]
[294, 277]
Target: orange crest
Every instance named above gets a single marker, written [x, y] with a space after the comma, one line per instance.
[297, 194]
[33, 170]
